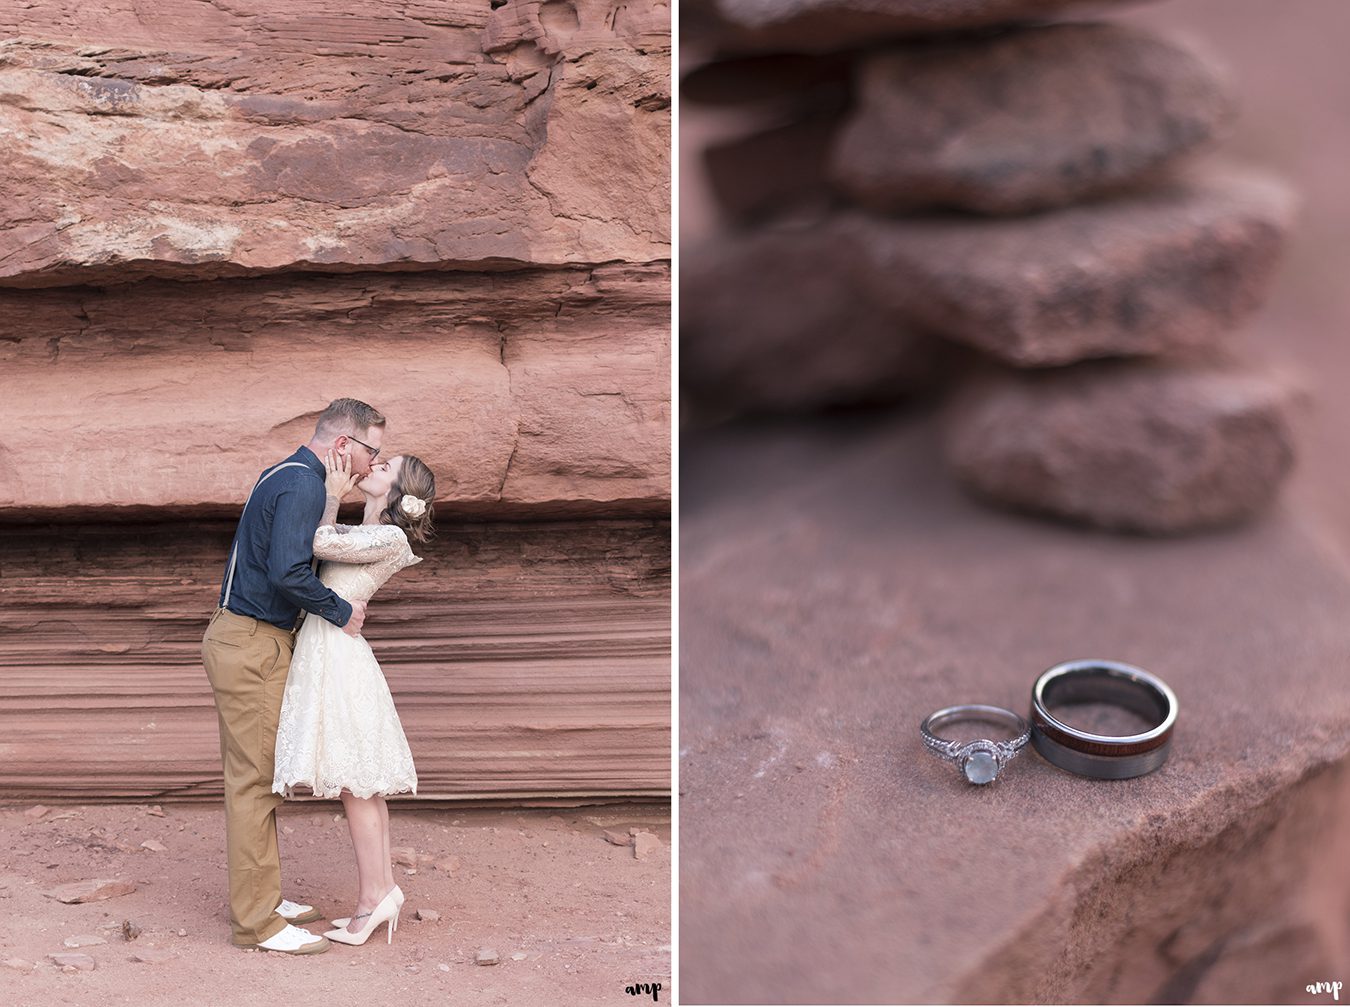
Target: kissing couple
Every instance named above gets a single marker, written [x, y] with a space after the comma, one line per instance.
[302, 700]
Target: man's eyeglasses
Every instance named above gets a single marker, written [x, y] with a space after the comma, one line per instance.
[374, 452]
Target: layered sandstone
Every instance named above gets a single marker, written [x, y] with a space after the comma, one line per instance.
[527, 661]
[217, 217]
[543, 392]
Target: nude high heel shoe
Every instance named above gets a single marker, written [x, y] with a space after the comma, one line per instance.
[386, 912]
[398, 895]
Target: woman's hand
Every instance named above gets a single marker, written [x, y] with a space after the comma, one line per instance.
[340, 480]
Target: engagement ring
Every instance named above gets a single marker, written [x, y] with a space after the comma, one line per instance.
[1103, 756]
[979, 761]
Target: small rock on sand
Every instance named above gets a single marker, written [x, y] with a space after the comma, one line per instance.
[75, 960]
[486, 956]
[429, 915]
[95, 890]
[36, 812]
[645, 843]
[154, 846]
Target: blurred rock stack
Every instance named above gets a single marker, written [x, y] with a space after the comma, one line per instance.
[1002, 213]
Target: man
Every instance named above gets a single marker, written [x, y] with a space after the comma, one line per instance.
[268, 580]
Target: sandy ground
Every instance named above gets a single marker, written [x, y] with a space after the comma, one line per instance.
[574, 919]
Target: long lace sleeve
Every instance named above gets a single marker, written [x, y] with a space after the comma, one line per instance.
[360, 543]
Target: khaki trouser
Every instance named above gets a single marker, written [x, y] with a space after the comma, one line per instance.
[247, 662]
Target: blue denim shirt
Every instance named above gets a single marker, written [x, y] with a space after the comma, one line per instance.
[273, 578]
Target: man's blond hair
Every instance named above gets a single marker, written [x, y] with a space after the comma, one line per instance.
[347, 416]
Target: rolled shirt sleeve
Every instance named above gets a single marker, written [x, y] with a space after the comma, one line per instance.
[296, 514]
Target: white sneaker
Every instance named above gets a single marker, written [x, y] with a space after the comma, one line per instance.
[295, 941]
[295, 912]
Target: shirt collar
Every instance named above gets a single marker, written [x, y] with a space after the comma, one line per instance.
[312, 461]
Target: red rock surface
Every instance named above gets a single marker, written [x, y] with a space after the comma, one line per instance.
[220, 140]
[527, 661]
[214, 219]
[1157, 447]
[472, 145]
[822, 25]
[1025, 120]
[836, 588]
[1176, 265]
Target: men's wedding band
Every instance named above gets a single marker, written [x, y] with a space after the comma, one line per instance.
[1105, 757]
[979, 761]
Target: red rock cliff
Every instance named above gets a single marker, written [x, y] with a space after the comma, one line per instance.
[216, 218]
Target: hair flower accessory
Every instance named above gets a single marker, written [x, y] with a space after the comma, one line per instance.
[412, 506]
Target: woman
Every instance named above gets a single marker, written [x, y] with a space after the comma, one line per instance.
[339, 734]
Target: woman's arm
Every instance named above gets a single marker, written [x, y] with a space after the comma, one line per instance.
[366, 543]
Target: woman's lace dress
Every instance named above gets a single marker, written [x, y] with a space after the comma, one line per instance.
[338, 728]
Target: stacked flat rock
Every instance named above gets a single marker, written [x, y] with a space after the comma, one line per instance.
[823, 25]
[1170, 267]
[778, 320]
[1033, 194]
[1140, 446]
[1025, 120]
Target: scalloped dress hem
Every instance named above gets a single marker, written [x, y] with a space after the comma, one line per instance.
[288, 791]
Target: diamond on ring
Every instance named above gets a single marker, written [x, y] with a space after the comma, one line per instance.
[981, 761]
